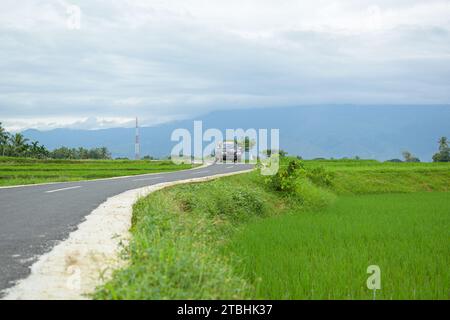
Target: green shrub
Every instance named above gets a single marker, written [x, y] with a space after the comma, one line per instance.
[286, 178]
[320, 177]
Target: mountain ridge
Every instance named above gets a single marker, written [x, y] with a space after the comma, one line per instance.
[375, 132]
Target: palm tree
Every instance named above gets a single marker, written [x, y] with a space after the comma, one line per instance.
[35, 150]
[43, 151]
[19, 144]
[3, 138]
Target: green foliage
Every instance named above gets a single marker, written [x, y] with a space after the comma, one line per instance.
[218, 240]
[80, 153]
[270, 152]
[444, 151]
[320, 177]
[247, 144]
[16, 145]
[295, 176]
[4, 137]
[286, 178]
[409, 157]
[177, 233]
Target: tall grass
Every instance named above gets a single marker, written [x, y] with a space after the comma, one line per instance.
[174, 253]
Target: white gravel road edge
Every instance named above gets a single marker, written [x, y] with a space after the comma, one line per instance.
[77, 265]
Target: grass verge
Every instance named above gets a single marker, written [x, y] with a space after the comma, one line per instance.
[177, 237]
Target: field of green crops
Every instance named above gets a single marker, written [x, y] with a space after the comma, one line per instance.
[18, 171]
[325, 254]
[370, 176]
[238, 238]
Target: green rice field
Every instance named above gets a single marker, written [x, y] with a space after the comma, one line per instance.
[18, 171]
[236, 238]
[325, 254]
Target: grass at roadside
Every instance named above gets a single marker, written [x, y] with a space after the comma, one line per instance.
[17, 171]
[177, 237]
[188, 241]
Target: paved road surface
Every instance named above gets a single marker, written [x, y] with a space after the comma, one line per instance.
[34, 218]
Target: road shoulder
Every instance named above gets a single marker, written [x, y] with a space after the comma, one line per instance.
[76, 266]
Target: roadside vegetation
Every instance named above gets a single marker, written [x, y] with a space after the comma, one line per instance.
[28, 162]
[310, 232]
[17, 145]
[18, 171]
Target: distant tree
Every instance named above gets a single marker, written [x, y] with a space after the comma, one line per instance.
[4, 137]
[269, 152]
[247, 144]
[43, 151]
[104, 153]
[409, 157]
[80, 153]
[394, 160]
[148, 157]
[444, 151]
[19, 144]
[61, 153]
[35, 150]
[282, 153]
[443, 143]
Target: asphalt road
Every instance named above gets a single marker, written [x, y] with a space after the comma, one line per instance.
[34, 218]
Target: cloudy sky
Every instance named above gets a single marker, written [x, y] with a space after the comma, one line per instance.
[173, 59]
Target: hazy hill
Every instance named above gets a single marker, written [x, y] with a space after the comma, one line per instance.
[378, 132]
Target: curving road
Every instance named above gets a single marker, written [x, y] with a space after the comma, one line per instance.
[34, 218]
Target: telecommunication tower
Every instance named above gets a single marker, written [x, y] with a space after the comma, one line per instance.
[137, 147]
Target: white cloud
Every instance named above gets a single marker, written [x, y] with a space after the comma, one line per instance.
[164, 60]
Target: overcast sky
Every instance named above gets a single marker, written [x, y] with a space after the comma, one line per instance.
[172, 59]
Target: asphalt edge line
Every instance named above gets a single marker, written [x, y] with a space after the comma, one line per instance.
[76, 266]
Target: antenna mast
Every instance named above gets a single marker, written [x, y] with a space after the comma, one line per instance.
[137, 147]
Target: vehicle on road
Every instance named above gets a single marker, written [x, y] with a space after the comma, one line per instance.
[228, 150]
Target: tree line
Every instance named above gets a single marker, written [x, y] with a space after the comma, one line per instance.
[443, 154]
[16, 145]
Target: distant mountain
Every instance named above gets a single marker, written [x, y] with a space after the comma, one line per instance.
[376, 132]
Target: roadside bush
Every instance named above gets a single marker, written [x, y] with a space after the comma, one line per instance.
[320, 177]
[286, 178]
[304, 186]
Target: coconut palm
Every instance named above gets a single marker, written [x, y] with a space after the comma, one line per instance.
[18, 144]
[36, 150]
[3, 138]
